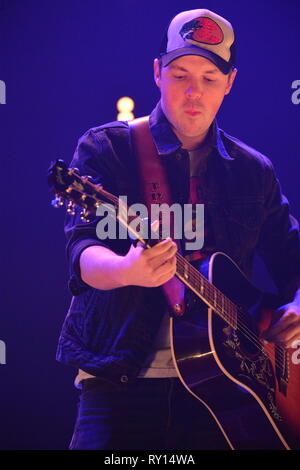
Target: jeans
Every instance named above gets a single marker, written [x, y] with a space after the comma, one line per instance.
[148, 414]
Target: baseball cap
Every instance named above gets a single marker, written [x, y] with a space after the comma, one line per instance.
[200, 32]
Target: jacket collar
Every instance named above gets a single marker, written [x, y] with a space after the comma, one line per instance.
[167, 142]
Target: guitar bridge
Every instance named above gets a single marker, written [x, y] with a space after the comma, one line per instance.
[282, 369]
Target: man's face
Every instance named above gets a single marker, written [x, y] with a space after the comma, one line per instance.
[192, 91]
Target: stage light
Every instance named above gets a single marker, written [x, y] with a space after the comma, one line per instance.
[125, 106]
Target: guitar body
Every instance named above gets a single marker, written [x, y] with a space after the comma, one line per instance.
[251, 389]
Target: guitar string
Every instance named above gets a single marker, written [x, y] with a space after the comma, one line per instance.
[248, 333]
[115, 201]
[197, 276]
[230, 306]
[269, 349]
[183, 262]
[282, 361]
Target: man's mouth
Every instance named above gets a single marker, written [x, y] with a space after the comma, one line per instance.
[192, 112]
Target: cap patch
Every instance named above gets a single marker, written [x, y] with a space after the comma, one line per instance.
[203, 29]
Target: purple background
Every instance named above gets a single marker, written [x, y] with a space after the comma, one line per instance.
[65, 64]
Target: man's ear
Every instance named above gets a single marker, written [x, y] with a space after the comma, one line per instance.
[230, 81]
[156, 72]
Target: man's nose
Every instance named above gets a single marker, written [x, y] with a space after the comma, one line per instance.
[194, 90]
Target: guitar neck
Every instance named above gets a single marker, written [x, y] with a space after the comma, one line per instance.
[206, 291]
[80, 190]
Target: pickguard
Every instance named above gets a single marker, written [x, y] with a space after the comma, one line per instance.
[253, 370]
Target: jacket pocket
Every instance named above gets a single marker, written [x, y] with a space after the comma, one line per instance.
[245, 215]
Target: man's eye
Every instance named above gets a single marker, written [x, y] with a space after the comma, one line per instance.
[179, 76]
[209, 79]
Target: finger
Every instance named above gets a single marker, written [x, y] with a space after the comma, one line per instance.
[163, 279]
[160, 248]
[294, 342]
[163, 258]
[165, 270]
[280, 325]
[285, 335]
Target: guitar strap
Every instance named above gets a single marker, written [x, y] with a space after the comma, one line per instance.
[155, 190]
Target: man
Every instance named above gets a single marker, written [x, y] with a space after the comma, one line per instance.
[116, 331]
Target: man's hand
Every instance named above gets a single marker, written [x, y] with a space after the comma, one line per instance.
[285, 328]
[103, 269]
[150, 267]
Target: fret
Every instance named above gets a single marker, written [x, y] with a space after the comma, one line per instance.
[186, 271]
[201, 286]
[214, 298]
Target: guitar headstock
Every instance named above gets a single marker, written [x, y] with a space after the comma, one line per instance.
[80, 191]
[76, 190]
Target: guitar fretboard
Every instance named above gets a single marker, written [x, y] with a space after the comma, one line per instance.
[212, 296]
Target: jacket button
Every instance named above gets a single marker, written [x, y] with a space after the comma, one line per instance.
[124, 378]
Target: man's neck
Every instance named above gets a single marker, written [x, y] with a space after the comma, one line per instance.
[191, 143]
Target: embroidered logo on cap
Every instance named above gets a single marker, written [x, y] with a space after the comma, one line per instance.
[203, 30]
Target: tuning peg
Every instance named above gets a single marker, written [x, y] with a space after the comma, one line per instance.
[57, 201]
[84, 215]
[71, 171]
[86, 178]
[71, 208]
[69, 189]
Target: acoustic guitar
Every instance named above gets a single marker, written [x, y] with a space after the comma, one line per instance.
[250, 388]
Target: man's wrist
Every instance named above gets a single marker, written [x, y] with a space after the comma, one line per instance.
[121, 270]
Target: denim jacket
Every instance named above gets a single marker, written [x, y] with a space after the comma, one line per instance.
[109, 333]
